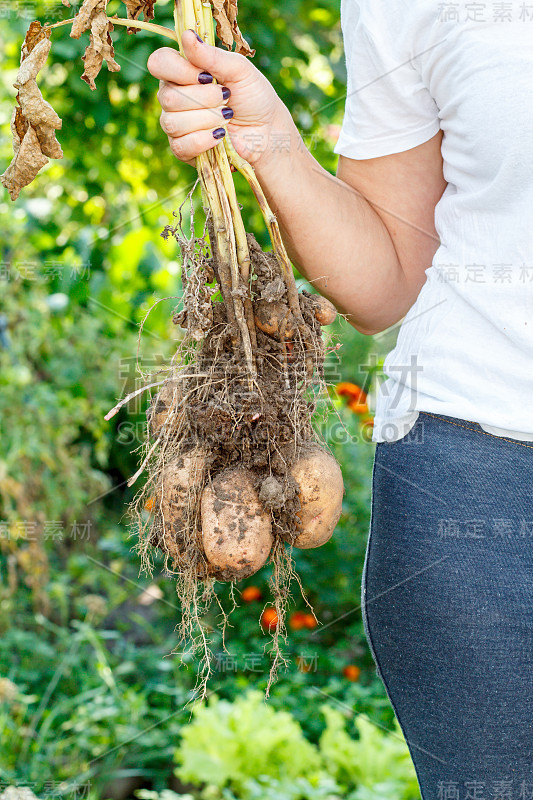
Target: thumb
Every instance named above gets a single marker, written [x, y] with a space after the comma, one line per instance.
[224, 65]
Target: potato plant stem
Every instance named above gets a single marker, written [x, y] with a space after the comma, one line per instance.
[238, 289]
[127, 23]
[278, 247]
[198, 16]
[241, 243]
[215, 172]
[219, 245]
[243, 253]
[207, 33]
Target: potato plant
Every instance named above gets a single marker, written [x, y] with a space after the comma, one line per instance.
[235, 474]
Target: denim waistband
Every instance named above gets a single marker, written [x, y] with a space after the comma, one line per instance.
[429, 421]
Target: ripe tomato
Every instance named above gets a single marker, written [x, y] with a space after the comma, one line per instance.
[351, 390]
[310, 621]
[297, 621]
[251, 593]
[351, 672]
[358, 407]
[269, 619]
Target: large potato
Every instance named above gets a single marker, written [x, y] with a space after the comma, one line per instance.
[171, 500]
[321, 490]
[236, 531]
[167, 400]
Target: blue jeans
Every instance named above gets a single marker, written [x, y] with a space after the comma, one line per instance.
[447, 603]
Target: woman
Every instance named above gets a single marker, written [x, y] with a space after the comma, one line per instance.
[429, 220]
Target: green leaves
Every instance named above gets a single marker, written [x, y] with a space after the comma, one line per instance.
[247, 750]
[374, 757]
[229, 743]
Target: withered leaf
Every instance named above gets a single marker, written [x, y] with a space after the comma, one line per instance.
[34, 121]
[66, 3]
[92, 17]
[85, 16]
[225, 14]
[137, 7]
[35, 34]
[99, 49]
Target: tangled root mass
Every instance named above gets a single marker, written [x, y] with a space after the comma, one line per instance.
[210, 417]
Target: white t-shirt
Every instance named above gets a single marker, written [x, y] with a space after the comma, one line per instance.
[465, 348]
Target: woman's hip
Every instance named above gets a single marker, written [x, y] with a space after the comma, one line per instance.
[447, 595]
[452, 525]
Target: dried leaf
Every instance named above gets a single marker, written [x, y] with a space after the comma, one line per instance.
[100, 49]
[66, 3]
[27, 161]
[83, 20]
[92, 17]
[225, 14]
[137, 7]
[34, 121]
[36, 33]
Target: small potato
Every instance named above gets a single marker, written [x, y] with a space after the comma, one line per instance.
[321, 491]
[171, 499]
[325, 312]
[166, 401]
[271, 317]
[236, 531]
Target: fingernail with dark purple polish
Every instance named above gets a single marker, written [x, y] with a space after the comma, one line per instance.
[198, 37]
[205, 77]
[227, 113]
[218, 133]
[225, 92]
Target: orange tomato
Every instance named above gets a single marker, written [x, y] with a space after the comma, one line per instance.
[357, 406]
[297, 620]
[349, 390]
[251, 593]
[351, 672]
[310, 621]
[269, 619]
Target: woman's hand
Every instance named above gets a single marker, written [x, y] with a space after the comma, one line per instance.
[196, 110]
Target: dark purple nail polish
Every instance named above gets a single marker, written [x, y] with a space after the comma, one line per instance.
[227, 113]
[219, 133]
[205, 77]
[198, 37]
[225, 92]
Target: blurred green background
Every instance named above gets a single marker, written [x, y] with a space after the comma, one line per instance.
[90, 704]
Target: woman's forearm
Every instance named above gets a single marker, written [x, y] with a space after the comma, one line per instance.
[333, 235]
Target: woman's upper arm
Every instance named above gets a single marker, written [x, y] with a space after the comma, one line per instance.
[403, 188]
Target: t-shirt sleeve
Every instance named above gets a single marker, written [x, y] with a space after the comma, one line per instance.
[388, 107]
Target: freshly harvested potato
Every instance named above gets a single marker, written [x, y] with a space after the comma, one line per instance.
[236, 531]
[325, 312]
[168, 399]
[271, 317]
[171, 499]
[321, 490]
